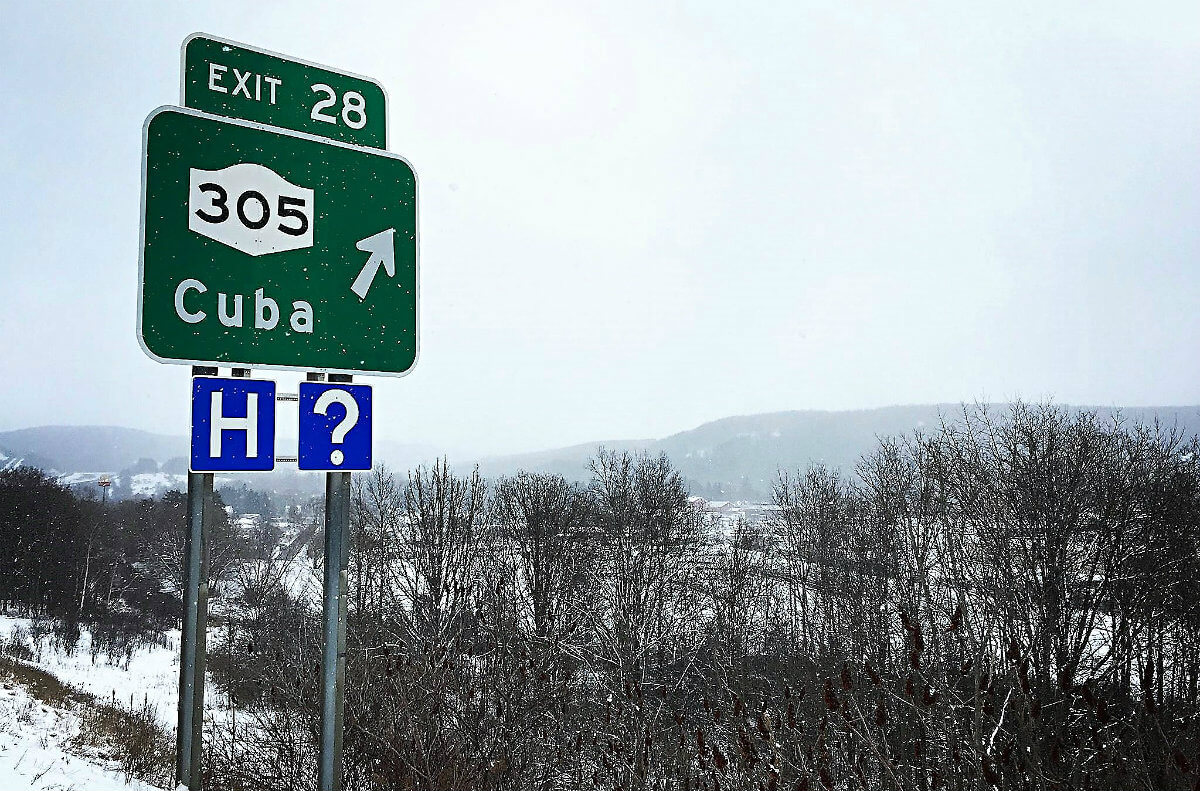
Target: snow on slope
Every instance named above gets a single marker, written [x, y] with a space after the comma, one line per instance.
[143, 484]
[8, 462]
[74, 478]
[149, 484]
[33, 755]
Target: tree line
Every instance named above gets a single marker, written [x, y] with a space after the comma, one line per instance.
[83, 559]
[1004, 602]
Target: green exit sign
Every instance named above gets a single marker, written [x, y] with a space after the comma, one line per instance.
[238, 81]
[269, 248]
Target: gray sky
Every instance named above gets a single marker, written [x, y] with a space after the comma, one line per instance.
[636, 217]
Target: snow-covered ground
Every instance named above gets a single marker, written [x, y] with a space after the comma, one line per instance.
[152, 674]
[36, 739]
[34, 755]
[37, 750]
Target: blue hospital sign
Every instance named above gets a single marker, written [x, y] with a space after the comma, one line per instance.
[335, 427]
[233, 425]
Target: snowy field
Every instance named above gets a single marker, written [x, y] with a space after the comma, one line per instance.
[151, 676]
[142, 484]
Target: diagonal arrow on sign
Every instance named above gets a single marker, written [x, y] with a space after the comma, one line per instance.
[382, 253]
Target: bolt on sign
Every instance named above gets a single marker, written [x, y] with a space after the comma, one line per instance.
[265, 244]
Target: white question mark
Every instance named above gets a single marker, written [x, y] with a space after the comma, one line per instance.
[328, 398]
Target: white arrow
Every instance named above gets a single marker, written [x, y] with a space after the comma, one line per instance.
[382, 252]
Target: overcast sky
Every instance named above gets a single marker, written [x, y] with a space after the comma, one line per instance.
[636, 217]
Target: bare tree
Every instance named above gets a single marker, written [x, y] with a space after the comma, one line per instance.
[651, 539]
[547, 523]
[377, 515]
[739, 595]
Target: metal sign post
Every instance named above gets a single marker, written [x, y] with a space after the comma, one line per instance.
[192, 638]
[333, 658]
[189, 736]
[334, 600]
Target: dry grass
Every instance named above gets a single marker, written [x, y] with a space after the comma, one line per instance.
[133, 738]
[42, 685]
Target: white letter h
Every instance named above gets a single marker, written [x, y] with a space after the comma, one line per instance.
[218, 423]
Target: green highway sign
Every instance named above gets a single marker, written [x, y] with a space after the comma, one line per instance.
[269, 248]
[238, 81]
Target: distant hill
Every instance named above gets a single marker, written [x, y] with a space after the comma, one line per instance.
[67, 449]
[732, 458]
[740, 457]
